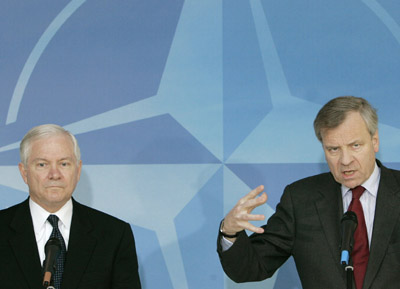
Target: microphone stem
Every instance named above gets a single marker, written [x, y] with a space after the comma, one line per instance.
[349, 270]
[46, 279]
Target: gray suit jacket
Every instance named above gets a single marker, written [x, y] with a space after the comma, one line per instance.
[306, 225]
[101, 251]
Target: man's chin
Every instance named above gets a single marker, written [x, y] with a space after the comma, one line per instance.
[56, 196]
[54, 204]
[351, 183]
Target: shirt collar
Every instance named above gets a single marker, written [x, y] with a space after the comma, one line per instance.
[40, 215]
[371, 184]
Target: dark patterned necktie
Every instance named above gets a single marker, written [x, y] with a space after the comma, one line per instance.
[360, 252]
[57, 277]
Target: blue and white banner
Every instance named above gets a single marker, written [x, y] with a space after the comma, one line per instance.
[182, 107]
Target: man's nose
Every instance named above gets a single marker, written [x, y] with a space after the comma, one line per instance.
[346, 157]
[54, 172]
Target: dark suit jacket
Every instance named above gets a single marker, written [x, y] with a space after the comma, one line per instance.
[306, 225]
[101, 251]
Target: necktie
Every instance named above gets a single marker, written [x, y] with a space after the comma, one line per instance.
[57, 277]
[360, 252]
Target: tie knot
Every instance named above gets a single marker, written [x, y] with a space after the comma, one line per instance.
[357, 192]
[53, 220]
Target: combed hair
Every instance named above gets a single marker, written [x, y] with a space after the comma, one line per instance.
[333, 114]
[43, 131]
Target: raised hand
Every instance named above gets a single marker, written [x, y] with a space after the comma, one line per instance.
[238, 218]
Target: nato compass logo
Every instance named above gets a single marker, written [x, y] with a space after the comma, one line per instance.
[181, 107]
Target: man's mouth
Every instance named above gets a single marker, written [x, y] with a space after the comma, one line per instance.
[54, 186]
[349, 172]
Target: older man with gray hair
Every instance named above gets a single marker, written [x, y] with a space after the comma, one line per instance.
[307, 222]
[91, 249]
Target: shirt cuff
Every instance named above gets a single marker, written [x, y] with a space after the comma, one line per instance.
[225, 244]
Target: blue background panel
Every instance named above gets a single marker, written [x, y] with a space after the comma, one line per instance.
[183, 106]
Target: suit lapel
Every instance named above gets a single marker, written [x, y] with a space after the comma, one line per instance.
[24, 246]
[330, 211]
[80, 248]
[386, 215]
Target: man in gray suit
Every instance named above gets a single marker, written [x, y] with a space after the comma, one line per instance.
[307, 221]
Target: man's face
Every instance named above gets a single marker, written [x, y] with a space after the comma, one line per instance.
[52, 171]
[350, 150]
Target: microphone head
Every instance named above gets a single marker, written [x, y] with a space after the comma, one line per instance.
[52, 251]
[52, 242]
[349, 216]
[349, 225]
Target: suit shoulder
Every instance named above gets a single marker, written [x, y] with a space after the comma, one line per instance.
[9, 212]
[395, 173]
[309, 187]
[315, 180]
[98, 216]
[390, 176]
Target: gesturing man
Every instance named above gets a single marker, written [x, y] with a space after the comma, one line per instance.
[307, 221]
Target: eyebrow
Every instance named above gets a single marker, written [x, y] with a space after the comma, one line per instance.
[358, 141]
[62, 159]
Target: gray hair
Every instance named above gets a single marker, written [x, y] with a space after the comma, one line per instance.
[43, 131]
[333, 113]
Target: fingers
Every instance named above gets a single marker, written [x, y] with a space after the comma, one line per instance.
[255, 229]
[253, 194]
[256, 202]
[246, 225]
[238, 218]
[253, 217]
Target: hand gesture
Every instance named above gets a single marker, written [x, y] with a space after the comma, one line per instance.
[238, 218]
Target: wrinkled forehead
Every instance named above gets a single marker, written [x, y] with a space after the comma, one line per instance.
[352, 129]
[46, 143]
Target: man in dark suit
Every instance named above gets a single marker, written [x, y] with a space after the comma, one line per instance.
[99, 250]
[307, 221]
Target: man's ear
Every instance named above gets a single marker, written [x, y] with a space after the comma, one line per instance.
[375, 141]
[23, 172]
[79, 169]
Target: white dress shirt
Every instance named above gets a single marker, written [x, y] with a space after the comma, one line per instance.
[43, 228]
[368, 202]
[367, 199]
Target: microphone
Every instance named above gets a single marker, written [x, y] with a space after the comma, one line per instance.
[349, 225]
[52, 250]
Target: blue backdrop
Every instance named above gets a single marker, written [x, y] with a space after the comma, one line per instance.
[182, 106]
